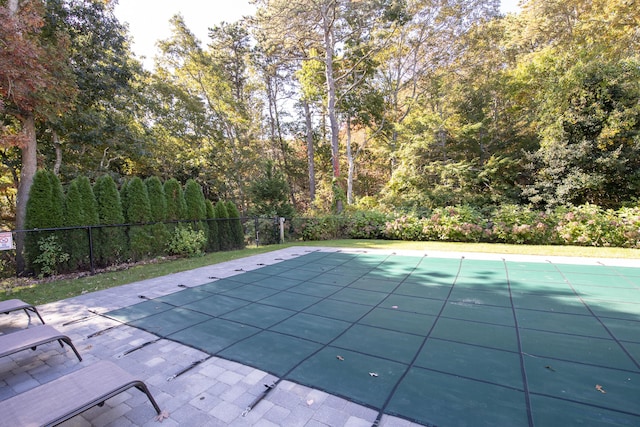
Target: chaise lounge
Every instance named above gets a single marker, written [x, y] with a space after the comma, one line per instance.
[32, 338]
[15, 304]
[63, 398]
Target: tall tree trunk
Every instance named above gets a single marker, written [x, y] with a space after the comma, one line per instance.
[310, 151]
[328, 18]
[27, 172]
[58, 148]
[350, 163]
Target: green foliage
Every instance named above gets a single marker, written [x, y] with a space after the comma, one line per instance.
[44, 210]
[175, 203]
[325, 227]
[366, 225]
[157, 198]
[237, 232]
[270, 194]
[196, 208]
[224, 226]
[51, 256]
[137, 211]
[213, 238]
[158, 205]
[187, 242]
[76, 242]
[110, 243]
[521, 225]
[589, 225]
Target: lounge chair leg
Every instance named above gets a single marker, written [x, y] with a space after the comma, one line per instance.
[70, 344]
[143, 388]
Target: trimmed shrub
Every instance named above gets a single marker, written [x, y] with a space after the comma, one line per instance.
[196, 209]
[137, 211]
[76, 242]
[213, 239]
[158, 214]
[224, 228]
[186, 241]
[175, 203]
[235, 225]
[110, 243]
[44, 210]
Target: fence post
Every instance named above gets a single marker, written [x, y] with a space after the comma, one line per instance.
[255, 223]
[281, 230]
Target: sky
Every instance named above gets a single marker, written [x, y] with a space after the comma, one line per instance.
[148, 20]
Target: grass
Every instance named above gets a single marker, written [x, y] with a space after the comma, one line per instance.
[55, 289]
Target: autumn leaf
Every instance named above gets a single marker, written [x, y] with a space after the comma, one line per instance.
[373, 374]
[162, 416]
[600, 389]
[340, 358]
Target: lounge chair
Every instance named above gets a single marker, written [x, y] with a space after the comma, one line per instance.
[32, 338]
[15, 304]
[64, 398]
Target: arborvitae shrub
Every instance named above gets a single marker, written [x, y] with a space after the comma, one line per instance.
[158, 204]
[224, 229]
[213, 240]
[76, 242]
[137, 211]
[44, 210]
[237, 232]
[175, 203]
[110, 243]
[196, 207]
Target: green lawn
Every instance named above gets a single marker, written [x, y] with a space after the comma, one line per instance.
[42, 292]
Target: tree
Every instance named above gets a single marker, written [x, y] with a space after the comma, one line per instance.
[110, 241]
[80, 210]
[44, 210]
[237, 232]
[158, 205]
[213, 239]
[36, 83]
[269, 194]
[196, 209]
[224, 227]
[175, 202]
[137, 212]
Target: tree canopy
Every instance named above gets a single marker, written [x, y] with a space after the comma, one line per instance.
[397, 105]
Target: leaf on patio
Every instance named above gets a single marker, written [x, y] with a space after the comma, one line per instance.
[339, 357]
[309, 402]
[394, 306]
[162, 416]
[550, 368]
[600, 389]
[373, 374]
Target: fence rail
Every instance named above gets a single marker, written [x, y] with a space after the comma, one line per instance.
[98, 246]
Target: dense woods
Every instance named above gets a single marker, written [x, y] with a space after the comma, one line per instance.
[387, 105]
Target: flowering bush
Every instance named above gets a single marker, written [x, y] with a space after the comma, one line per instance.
[589, 225]
[405, 228]
[520, 225]
[366, 225]
[456, 224]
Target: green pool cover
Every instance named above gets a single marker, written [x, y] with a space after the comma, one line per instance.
[441, 342]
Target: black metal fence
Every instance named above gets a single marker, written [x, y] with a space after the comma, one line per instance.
[101, 246]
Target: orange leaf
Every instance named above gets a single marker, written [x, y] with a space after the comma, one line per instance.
[600, 389]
